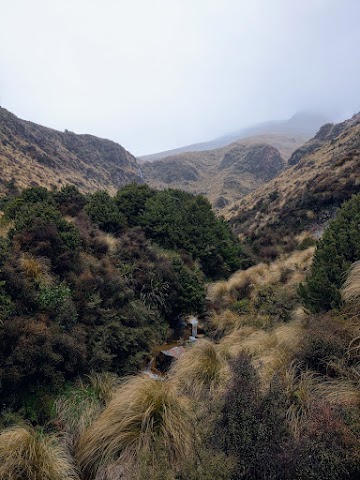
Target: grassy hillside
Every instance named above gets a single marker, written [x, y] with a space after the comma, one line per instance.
[272, 392]
[32, 155]
[304, 197]
[224, 174]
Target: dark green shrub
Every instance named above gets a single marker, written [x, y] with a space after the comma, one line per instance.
[103, 211]
[69, 200]
[28, 197]
[131, 201]
[252, 427]
[186, 223]
[41, 230]
[335, 252]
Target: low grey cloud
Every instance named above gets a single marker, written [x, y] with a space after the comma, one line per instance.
[158, 74]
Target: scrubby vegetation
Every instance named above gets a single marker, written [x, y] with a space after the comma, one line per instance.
[335, 252]
[90, 283]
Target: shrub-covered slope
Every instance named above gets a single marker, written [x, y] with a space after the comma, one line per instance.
[90, 283]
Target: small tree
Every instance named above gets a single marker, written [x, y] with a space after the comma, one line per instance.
[103, 211]
[335, 252]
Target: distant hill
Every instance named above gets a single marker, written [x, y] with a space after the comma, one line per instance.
[322, 174]
[225, 174]
[300, 125]
[31, 155]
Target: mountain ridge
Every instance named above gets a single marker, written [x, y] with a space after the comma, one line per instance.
[33, 154]
[301, 124]
[206, 173]
[321, 175]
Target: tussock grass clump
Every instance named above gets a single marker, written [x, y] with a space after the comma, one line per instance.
[300, 390]
[78, 408]
[143, 412]
[338, 391]
[286, 270]
[5, 226]
[110, 241]
[264, 292]
[36, 268]
[271, 351]
[26, 454]
[201, 369]
[227, 321]
[350, 291]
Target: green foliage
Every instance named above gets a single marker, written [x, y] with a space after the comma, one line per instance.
[6, 305]
[276, 301]
[103, 211]
[335, 252]
[73, 300]
[69, 200]
[184, 222]
[131, 201]
[252, 427]
[41, 230]
[28, 197]
[57, 301]
[53, 296]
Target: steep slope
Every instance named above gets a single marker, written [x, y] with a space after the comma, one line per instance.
[301, 125]
[224, 174]
[323, 173]
[31, 154]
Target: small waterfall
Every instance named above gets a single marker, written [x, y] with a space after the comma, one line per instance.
[194, 325]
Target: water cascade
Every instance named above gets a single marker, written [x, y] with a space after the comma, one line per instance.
[194, 325]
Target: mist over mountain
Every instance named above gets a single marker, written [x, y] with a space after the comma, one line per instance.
[300, 124]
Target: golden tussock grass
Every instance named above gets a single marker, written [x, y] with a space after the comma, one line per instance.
[300, 390]
[5, 227]
[29, 455]
[287, 270]
[36, 268]
[227, 321]
[271, 351]
[143, 412]
[290, 335]
[77, 410]
[110, 241]
[350, 291]
[339, 391]
[201, 369]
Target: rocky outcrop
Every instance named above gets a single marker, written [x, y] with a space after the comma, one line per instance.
[329, 132]
[262, 161]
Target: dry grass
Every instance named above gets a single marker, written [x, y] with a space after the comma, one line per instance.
[212, 181]
[287, 270]
[77, 410]
[5, 227]
[299, 181]
[225, 322]
[300, 390]
[340, 391]
[202, 369]
[36, 268]
[110, 241]
[143, 412]
[350, 291]
[29, 455]
[271, 351]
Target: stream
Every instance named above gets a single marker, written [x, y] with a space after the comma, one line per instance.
[163, 355]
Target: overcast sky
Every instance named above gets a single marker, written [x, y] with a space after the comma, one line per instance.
[158, 74]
